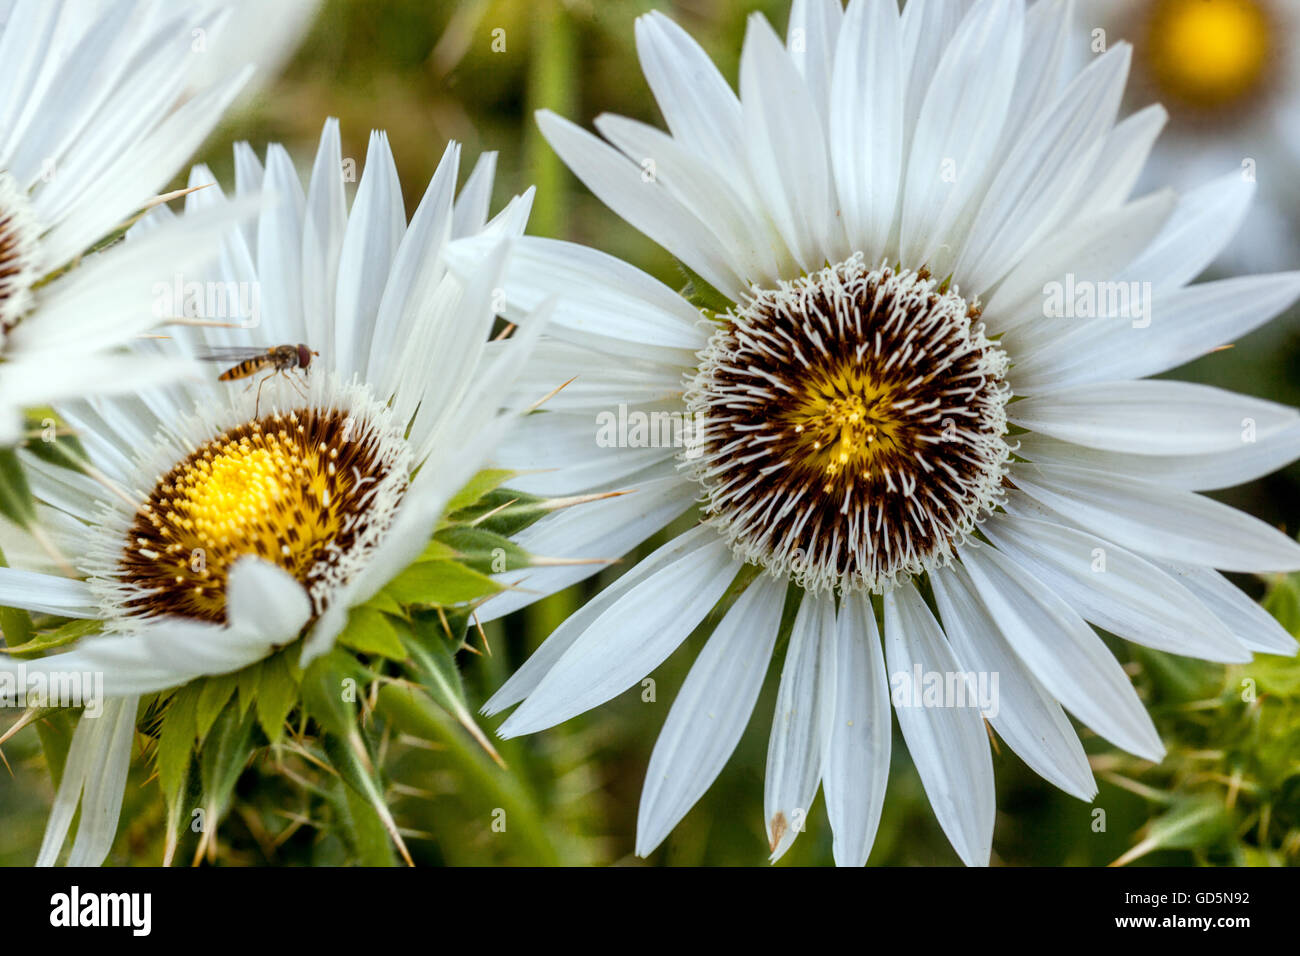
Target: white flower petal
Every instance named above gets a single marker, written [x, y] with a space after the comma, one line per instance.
[617, 182]
[632, 637]
[475, 198]
[279, 249]
[264, 598]
[1049, 161]
[1024, 714]
[600, 296]
[1063, 652]
[710, 713]
[414, 277]
[948, 744]
[752, 248]
[560, 453]
[373, 234]
[46, 594]
[1224, 469]
[866, 123]
[796, 746]
[1114, 588]
[1161, 522]
[1044, 63]
[105, 784]
[605, 529]
[1081, 256]
[786, 146]
[1182, 325]
[1202, 225]
[1124, 152]
[94, 776]
[928, 27]
[858, 735]
[526, 678]
[696, 102]
[811, 36]
[324, 222]
[1251, 624]
[1153, 417]
[957, 128]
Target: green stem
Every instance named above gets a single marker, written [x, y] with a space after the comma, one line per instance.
[414, 712]
[551, 85]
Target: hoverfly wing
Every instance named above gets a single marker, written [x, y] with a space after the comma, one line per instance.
[229, 354]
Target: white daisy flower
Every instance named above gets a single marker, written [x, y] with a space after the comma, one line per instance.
[216, 523]
[1227, 72]
[876, 397]
[96, 117]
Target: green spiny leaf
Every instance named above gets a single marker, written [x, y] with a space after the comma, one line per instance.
[214, 693]
[16, 501]
[277, 692]
[1191, 823]
[55, 731]
[177, 740]
[327, 694]
[226, 751]
[383, 601]
[482, 550]
[66, 633]
[478, 486]
[63, 450]
[503, 510]
[440, 583]
[437, 672]
[372, 632]
[437, 551]
[1283, 602]
[435, 664]
[364, 830]
[355, 765]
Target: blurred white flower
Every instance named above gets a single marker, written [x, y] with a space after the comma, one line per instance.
[1228, 72]
[264, 34]
[94, 120]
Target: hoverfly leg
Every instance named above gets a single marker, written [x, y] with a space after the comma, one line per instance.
[257, 405]
[298, 386]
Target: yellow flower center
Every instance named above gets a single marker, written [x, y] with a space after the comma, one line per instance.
[1209, 53]
[853, 426]
[845, 421]
[295, 489]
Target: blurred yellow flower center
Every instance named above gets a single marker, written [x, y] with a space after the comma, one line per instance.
[291, 488]
[1209, 53]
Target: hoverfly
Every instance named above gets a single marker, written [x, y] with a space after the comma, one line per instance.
[276, 360]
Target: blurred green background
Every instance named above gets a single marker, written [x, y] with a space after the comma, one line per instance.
[428, 72]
